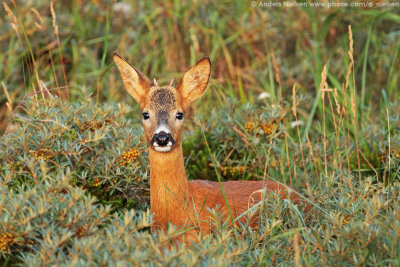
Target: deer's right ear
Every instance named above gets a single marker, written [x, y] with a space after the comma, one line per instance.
[135, 82]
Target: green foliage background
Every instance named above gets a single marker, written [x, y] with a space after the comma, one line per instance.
[73, 170]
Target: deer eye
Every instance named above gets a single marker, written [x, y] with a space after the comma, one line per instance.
[179, 115]
[146, 115]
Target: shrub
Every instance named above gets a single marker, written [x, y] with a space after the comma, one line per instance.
[52, 210]
[74, 191]
[99, 146]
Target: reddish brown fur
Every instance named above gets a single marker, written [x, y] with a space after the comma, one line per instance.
[173, 198]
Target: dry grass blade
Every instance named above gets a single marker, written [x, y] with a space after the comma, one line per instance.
[354, 100]
[296, 250]
[324, 88]
[53, 14]
[14, 21]
[9, 102]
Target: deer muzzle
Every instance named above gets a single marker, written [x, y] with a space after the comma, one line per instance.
[162, 141]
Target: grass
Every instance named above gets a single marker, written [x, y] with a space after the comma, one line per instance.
[330, 127]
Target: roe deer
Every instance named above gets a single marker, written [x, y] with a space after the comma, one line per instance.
[173, 198]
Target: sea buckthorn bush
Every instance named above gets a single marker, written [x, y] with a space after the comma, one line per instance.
[74, 191]
[253, 141]
[51, 211]
[239, 153]
[101, 148]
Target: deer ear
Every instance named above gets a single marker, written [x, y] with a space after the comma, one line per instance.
[194, 82]
[135, 82]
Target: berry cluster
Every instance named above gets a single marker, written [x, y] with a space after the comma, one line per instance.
[42, 154]
[96, 182]
[233, 170]
[129, 156]
[249, 126]
[269, 128]
[263, 128]
[6, 240]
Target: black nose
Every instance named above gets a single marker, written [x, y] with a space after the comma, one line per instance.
[162, 138]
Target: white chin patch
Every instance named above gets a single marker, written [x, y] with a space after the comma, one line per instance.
[162, 148]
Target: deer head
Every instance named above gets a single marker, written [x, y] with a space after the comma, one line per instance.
[163, 108]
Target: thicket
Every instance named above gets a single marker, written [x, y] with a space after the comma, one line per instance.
[74, 190]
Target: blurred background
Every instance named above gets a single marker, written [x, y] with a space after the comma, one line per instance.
[67, 49]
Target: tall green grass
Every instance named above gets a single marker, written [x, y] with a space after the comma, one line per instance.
[163, 40]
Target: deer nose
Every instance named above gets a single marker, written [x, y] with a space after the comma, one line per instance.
[162, 138]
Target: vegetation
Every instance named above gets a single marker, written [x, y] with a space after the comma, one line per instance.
[292, 100]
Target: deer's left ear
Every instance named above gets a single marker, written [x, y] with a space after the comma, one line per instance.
[194, 82]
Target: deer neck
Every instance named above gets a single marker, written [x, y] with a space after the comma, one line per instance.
[169, 189]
